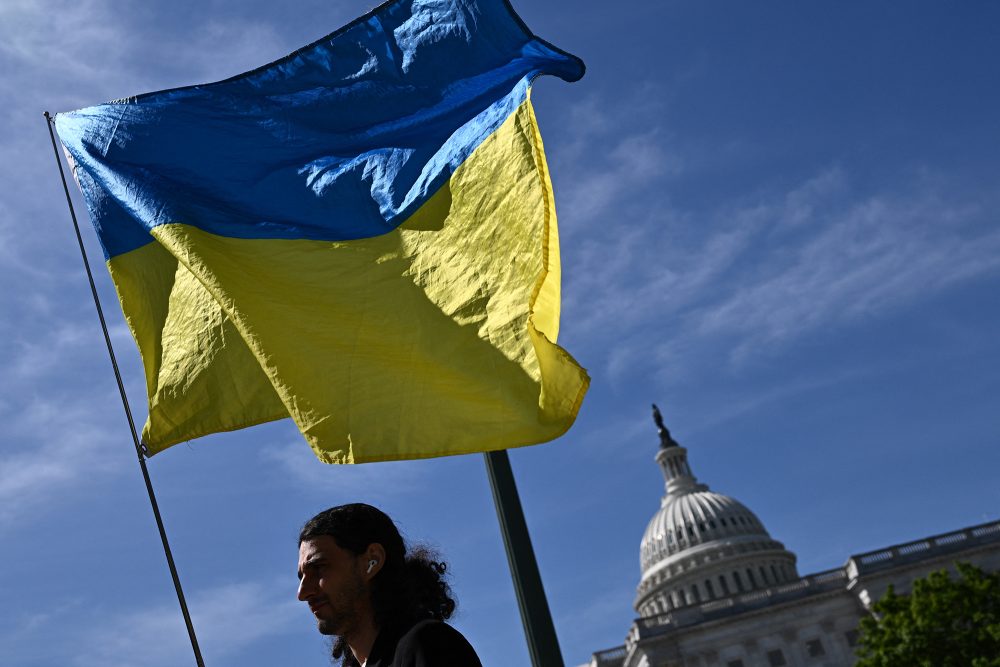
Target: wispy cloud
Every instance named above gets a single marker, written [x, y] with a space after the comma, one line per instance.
[36, 356]
[49, 443]
[58, 37]
[100, 50]
[298, 464]
[739, 404]
[61, 55]
[613, 154]
[869, 257]
[677, 286]
[628, 434]
[230, 620]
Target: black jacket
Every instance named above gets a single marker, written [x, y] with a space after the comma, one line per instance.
[428, 643]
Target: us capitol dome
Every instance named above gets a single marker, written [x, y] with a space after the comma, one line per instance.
[702, 545]
[716, 590]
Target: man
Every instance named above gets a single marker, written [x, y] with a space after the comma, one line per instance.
[386, 607]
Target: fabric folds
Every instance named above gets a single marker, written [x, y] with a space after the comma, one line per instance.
[360, 236]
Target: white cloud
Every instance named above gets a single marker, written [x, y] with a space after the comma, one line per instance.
[594, 184]
[677, 288]
[366, 482]
[13, 261]
[877, 254]
[229, 620]
[811, 200]
[59, 36]
[87, 51]
[219, 50]
[50, 444]
[741, 403]
[650, 282]
[38, 355]
[619, 433]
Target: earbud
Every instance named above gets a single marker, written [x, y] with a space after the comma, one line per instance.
[371, 564]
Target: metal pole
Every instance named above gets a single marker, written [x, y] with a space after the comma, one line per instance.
[128, 410]
[543, 645]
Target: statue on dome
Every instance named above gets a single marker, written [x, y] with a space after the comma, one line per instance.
[665, 438]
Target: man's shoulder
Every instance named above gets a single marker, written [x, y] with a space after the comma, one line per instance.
[432, 643]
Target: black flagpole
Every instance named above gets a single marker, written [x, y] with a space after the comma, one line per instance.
[128, 410]
[543, 645]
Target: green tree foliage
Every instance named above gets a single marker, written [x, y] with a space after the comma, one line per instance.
[944, 622]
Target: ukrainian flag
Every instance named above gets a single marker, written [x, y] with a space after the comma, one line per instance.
[360, 236]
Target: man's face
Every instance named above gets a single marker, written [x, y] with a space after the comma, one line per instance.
[331, 581]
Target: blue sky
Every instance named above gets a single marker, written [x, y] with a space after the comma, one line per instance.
[780, 222]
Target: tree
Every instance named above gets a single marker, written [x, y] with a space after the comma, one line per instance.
[944, 622]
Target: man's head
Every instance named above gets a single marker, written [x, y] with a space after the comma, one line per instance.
[341, 553]
[357, 576]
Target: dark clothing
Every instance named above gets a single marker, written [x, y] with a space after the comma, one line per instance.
[428, 643]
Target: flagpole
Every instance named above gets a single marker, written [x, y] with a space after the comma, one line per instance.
[128, 410]
[543, 644]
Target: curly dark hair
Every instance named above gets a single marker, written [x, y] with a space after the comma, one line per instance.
[410, 587]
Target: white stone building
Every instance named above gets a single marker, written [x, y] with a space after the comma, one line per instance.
[718, 591]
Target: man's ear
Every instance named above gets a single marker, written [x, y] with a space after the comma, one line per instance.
[374, 560]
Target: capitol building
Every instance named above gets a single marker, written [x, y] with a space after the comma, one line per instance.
[716, 590]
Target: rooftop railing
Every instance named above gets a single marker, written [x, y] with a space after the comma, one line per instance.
[926, 548]
[611, 657]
